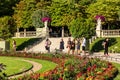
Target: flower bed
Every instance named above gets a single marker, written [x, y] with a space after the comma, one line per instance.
[72, 68]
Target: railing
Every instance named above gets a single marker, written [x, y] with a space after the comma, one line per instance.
[28, 34]
[110, 33]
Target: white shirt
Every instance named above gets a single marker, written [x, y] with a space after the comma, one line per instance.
[84, 42]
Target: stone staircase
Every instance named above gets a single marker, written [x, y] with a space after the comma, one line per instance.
[40, 47]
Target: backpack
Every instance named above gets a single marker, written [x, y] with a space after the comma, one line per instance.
[50, 42]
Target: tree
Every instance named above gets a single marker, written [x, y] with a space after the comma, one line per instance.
[82, 27]
[6, 7]
[37, 17]
[7, 27]
[23, 13]
[107, 8]
[62, 13]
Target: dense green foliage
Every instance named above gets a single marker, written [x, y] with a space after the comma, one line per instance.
[37, 16]
[6, 7]
[118, 66]
[7, 27]
[82, 27]
[114, 45]
[63, 13]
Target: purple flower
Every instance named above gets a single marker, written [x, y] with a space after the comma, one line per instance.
[46, 19]
[100, 16]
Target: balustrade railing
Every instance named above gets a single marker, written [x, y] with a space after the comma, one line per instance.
[110, 33]
[28, 34]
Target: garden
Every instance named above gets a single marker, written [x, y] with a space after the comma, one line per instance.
[61, 67]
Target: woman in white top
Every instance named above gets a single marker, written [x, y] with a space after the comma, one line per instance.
[83, 45]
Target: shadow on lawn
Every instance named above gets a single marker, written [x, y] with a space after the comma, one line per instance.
[98, 45]
[29, 43]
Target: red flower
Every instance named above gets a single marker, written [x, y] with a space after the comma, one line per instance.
[100, 16]
[79, 74]
[60, 79]
[46, 19]
[88, 69]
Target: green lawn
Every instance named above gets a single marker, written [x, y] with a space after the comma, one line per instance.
[46, 65]
[118, 76]
[14, 65]
[21, 43]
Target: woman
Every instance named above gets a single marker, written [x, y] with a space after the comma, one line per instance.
[69, 45]
[78, 46]
[73, 46]
[14, 45]
[47, 45]
[61, 45]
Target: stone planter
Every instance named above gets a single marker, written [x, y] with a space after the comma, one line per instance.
[4, 45]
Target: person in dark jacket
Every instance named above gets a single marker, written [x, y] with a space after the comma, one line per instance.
[105, 45]
[61, 44]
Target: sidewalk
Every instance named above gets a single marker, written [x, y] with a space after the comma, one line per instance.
[116, 55]
[113, 57]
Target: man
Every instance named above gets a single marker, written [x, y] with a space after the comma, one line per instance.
[105, 45]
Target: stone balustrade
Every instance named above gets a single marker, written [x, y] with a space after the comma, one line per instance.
[110, 33]
[28, 34]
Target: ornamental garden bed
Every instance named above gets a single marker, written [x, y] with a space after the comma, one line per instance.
[71, 67]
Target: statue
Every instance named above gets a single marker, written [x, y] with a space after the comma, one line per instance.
[46, 30]
[99, 19]
[98, 24]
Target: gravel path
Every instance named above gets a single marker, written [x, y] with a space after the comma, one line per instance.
[36, 67]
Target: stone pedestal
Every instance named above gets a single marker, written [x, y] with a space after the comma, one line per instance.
[17, 34]
[98, 33]
[39, 31]
[4, 45]
[62, 32]
[98, 28]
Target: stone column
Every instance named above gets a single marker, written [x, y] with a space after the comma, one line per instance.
[62, 32]
[24, 32]
[46, 29]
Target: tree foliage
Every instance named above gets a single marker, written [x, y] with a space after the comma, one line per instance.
[82, 27]
[23, 13]
[37, 17]
[6, 7]
[7, 27]
[107, 8]
[77, 13]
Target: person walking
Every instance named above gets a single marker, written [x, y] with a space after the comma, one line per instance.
[69, 45]
[78, 46]
[14, 45]
[105, 45]
[47, 45]
[73, 46]
[83, 45]
[61, 44]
